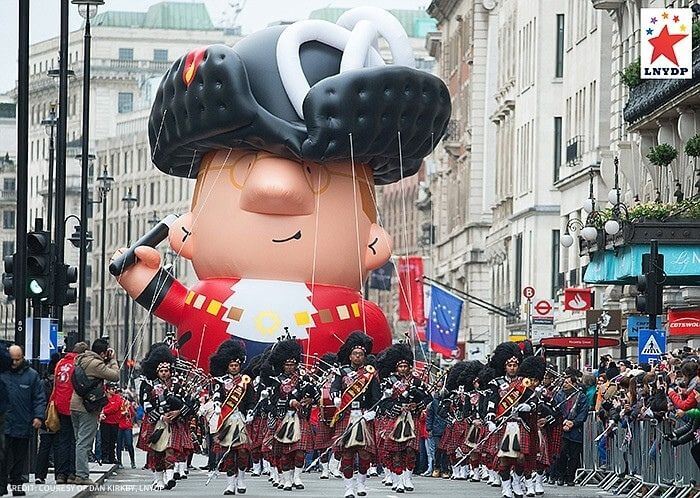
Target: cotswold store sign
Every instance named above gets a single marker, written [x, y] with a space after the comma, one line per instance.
[684, 322]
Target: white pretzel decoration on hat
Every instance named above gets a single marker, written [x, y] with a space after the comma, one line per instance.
[355, 34]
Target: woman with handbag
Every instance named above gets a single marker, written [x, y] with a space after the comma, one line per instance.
[48, 433]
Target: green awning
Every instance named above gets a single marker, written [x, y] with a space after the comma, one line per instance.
[681, 264]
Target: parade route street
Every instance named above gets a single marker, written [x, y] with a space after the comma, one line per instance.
[128, 482]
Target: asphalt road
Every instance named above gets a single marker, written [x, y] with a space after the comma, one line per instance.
[128, 482]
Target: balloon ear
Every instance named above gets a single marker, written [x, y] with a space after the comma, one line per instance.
[180, 236]
[378, 248]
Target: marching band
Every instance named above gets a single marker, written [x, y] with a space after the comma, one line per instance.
[354, 410]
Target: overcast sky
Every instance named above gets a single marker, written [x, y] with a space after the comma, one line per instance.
[44, 19]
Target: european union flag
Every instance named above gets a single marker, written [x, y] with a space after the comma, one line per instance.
[443, 322]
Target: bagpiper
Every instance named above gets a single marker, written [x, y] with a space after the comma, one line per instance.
[536, 459]
[233, 397]
[482, 468]
[292, 397]
[455, 407]
[406, 395]
[164, 436]
[356, 393]
[505, 361]
[323, 439]
[257, 429]
[516, 415]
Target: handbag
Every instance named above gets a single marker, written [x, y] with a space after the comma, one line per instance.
[52, 422]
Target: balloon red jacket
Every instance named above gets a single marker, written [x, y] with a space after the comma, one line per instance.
[203, 319]
[63, 387]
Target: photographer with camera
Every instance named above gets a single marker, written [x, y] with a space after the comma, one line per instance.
[92, 368]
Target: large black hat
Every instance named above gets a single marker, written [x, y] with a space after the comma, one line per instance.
[504, 352]
[454, 374]
[469, 374]
[391, 357]
[355, 340]
[533, 367]
[218, 97]
[159, 353]
[227, 352]
[288, 349]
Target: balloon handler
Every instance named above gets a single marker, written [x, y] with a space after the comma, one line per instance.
[286, 133]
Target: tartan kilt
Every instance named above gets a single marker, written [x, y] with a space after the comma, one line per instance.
[455, 435]
[305, 443]
[157, 460]
[339, 430]
[181, 443]
[256, 431]
[496, 439]
[385, 444]
[147, 429]
[554, 435]
[324, 436]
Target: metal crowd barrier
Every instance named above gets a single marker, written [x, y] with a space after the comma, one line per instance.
[634, 460]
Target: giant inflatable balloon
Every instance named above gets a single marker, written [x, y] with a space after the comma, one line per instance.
[286, 135]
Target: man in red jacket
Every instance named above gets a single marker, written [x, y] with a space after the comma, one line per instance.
[62, 392]
[109, 423]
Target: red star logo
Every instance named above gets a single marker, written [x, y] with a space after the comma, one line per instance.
[663, 45]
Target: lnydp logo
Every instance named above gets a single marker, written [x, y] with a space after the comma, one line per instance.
[667, 44]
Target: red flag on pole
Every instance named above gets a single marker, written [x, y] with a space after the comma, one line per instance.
[411, 304]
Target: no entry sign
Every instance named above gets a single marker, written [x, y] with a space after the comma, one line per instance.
[543, 307]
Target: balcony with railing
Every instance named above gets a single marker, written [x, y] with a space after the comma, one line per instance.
[574, 151]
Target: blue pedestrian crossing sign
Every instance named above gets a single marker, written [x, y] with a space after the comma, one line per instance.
[652, 344]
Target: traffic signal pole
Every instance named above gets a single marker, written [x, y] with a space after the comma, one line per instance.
[59, 225]
[654, 274]
[20, 264]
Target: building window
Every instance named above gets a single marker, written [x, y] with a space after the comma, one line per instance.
[8, 219]
[8, 247]
[555, 263]
[8, 184]
[559, 68]
[126, 102]
[126, 54]
[160, 55]
[557, 147]
[518, 267]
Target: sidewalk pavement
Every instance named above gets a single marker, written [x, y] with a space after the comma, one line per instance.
[98, 473]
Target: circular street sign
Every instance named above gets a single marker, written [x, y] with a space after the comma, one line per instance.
[529, 292]
[543, 307]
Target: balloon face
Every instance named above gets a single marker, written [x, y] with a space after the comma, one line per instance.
[259, 216]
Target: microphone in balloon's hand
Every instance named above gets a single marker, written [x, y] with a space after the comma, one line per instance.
[152, 238]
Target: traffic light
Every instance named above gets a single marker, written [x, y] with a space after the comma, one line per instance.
[650, 287]
[40, 254]
[8, 278]
[64, 294]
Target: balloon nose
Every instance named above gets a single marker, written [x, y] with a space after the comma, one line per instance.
[277, 186]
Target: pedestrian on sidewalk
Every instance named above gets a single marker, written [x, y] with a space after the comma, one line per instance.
[109, 423]
[64, 460]
[97, 366]
[47, 439]
[5, 364]
[125, 439]
[24, 415]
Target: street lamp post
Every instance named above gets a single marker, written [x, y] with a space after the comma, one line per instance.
[153, 221]
[129, 202]
[105, 185]
[49, 126]
[87, 10]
